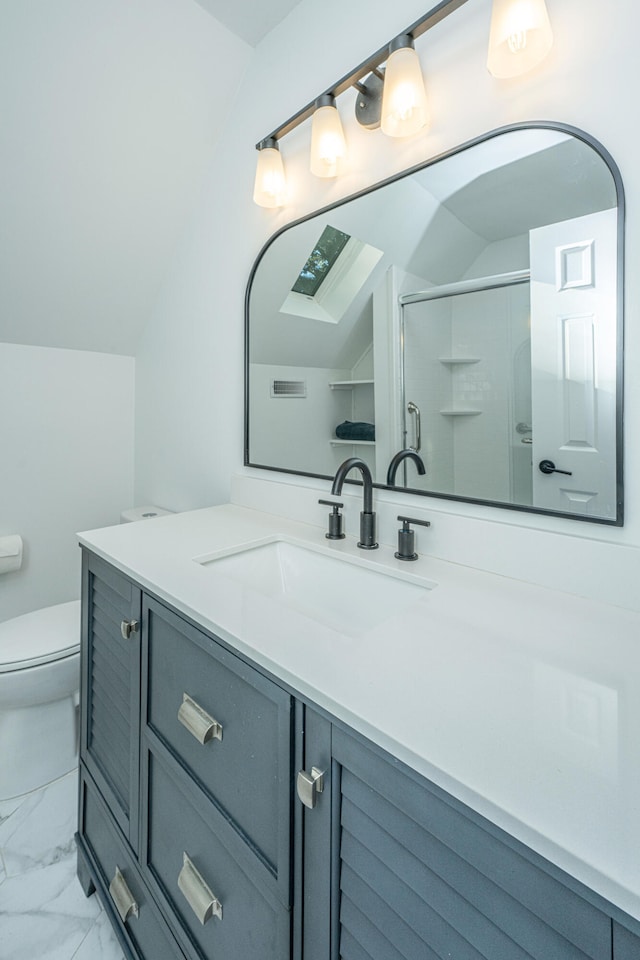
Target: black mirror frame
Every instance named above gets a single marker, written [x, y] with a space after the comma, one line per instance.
[619, 445]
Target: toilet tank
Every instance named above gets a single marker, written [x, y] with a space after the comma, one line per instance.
[143, 513]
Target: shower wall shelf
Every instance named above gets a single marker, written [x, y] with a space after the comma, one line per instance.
[450, 361]
[352, 443]
[471, 412]
[349, 384]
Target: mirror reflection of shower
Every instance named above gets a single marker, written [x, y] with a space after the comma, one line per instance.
[466, 366]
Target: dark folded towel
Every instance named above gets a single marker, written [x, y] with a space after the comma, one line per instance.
[355, 431]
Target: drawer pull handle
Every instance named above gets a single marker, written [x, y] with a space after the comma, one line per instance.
[122, 897]
[197, 893]
[197, 721]
[127, 627]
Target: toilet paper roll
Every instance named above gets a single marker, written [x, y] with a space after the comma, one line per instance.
[10, 553]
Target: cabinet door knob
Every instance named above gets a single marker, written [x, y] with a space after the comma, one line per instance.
[197, 893]
[198, 722]
[122, 897]
[127, 627]
[309, 785]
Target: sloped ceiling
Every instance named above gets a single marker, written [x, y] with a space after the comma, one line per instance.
[249, 19]
[109, 116]
[564, 181]
[433, 226]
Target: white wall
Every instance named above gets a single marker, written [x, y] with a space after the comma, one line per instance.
[110, 115]
[110, 112]
[291, 430]
[189, 413]
[66, 464]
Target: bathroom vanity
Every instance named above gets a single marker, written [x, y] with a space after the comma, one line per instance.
[213, 794]
[258, 782]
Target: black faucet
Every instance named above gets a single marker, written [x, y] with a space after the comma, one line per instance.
[367, 516]
[397, 460]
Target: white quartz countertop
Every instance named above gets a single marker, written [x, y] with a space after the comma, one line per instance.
[523, 702]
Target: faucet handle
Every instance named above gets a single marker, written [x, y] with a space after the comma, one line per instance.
[406, 538]
[335, 520]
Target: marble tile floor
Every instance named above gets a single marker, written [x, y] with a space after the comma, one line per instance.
[44, 915]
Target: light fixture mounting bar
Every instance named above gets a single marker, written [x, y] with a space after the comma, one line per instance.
[440, 12]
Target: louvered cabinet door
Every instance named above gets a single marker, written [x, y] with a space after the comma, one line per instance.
[110, 689]
[626, 945]
[415, 875]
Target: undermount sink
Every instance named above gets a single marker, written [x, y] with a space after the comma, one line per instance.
[342, 592]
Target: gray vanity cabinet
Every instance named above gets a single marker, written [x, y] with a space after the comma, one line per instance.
[221, 819]
[185, 783]
[413, 874]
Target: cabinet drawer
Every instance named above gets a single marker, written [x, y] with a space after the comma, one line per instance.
[190, 868]
[245, 765]
[144, 931]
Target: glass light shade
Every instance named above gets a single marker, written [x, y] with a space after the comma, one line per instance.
[270, 185]
[405, 109]
[520, 37]
[328, 145]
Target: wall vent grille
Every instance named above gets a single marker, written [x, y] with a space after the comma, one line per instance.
[288, 388]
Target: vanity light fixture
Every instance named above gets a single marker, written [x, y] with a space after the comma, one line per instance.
[270, 185]
[328, 145]
[404, 100]
[520, 37]
[391, 92]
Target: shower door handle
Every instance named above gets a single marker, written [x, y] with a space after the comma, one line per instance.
[413, 409]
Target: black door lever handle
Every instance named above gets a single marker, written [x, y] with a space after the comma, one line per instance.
[548, 466]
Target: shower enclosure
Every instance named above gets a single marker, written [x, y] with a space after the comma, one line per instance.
[512, 378]
[466, 387]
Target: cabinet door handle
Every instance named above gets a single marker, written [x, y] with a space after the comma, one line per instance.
[198, 722]
[127, 627]
[309, 785]
[197, 893]
[122, 897]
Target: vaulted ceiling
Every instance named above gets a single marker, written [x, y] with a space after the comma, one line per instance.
[249, 19]
[110, 114]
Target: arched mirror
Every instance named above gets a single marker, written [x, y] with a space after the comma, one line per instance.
[470, 311]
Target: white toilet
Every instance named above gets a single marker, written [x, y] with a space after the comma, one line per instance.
[39, 690]
[39, 679]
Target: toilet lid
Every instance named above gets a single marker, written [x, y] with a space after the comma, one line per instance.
[39, 637]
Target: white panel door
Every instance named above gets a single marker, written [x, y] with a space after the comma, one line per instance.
[573, 360]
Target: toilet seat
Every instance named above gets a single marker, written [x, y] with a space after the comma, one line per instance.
[40, 637]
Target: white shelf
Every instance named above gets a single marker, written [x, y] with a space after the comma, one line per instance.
[461, 413]
[352, 443]
[349, 384]
[452, 360]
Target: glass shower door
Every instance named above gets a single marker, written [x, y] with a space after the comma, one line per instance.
[466, 368]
